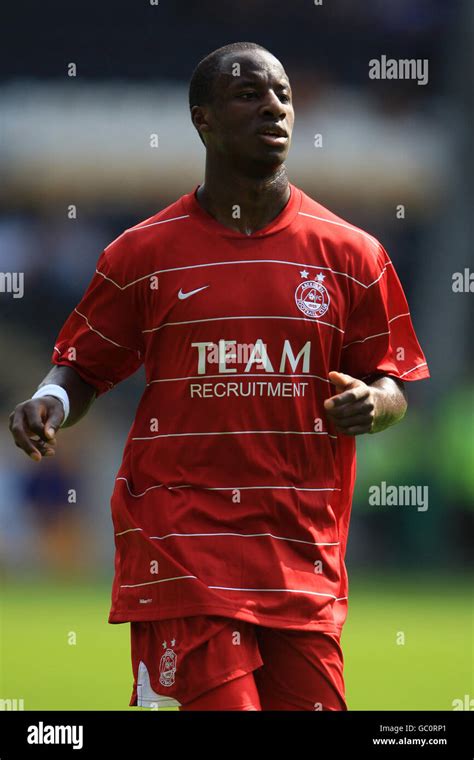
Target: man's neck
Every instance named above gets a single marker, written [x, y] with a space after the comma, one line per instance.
[244, 204]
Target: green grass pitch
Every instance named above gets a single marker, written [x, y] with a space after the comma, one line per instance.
[431, 669]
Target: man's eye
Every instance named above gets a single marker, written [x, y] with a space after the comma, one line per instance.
[284, 98]
[247, 94]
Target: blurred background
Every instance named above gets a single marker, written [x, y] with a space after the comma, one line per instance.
[82, 89]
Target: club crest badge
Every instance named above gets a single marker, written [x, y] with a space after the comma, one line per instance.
[312, 298]
[168, 665]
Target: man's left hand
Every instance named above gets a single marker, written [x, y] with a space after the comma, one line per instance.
[355, 407]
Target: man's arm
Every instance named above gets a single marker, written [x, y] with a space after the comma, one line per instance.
[361, 407]
[33, 423]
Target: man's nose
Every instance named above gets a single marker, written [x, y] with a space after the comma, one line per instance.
[272, 105]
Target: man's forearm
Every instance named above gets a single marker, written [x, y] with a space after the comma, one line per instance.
[390, 402]
[81, 394]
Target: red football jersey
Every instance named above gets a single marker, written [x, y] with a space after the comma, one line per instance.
[234, 493]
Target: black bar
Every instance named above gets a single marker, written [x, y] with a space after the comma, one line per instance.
[149, 733]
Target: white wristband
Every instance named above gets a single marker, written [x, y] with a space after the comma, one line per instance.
[58, 392]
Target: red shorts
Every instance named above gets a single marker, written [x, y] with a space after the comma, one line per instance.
[217, 663]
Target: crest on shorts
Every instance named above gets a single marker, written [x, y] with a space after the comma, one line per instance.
[168, 665]
[312, 298]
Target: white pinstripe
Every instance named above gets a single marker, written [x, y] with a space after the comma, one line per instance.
[238, 374]
[405, 314]
[423, 364]
[350, 227]
[163, 580]
[129, 530]
[287, 590]
[139, 227]
[241, 261]
[377, 335]
[219, 488]
[109, 340]
[233, 432]
[245, 535]
[246, 316]
[231, 588]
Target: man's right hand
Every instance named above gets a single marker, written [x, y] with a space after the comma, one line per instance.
[33, 425]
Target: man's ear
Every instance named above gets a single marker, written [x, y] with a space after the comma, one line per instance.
[200, 120]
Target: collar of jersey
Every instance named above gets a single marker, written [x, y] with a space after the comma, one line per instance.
[284, 218]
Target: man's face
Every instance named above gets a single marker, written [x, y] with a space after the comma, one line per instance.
[252, 98]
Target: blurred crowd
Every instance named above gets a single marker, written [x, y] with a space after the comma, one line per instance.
[44, 527]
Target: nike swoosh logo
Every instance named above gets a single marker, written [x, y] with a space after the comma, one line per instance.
[182, 295]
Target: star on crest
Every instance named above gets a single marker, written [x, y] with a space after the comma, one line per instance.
[304, 273]
[320, 277]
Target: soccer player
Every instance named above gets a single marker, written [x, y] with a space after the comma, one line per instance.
[272, 333]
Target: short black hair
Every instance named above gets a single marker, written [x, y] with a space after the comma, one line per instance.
[201, 85]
